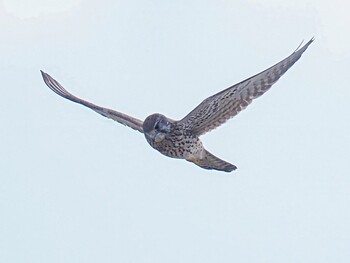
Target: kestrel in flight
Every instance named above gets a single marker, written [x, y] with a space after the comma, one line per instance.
[180, 139]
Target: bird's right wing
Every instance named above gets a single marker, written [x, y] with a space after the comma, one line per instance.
[111, 114]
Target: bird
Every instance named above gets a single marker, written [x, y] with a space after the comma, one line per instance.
[180, 139]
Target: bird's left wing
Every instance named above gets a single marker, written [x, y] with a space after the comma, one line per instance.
[217, 109]
[112, 114]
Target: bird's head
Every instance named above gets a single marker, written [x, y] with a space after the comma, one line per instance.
[155, 128]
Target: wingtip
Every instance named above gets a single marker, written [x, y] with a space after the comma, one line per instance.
[310, 41]
[46, 77]
[43, 74]
[304, 47]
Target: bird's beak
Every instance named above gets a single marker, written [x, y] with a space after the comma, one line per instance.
[152, 135]
[155, 136]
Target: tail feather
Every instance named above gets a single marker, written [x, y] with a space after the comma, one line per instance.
[211, 162]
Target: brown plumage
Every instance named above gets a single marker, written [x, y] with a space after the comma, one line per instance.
[180, 139]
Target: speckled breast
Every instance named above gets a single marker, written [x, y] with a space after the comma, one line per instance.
[179, 145]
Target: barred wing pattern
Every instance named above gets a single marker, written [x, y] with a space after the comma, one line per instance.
[217, 109]
[111, 114]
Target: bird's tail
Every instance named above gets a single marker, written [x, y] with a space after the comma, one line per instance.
[211, 162]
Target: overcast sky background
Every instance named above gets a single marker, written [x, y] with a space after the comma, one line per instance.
[77, 187]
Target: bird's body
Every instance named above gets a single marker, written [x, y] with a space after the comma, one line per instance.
[178, 142]
[180, 139]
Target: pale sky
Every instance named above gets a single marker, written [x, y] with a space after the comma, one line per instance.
[77, 187]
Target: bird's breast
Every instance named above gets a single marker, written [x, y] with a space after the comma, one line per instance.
[178, 145]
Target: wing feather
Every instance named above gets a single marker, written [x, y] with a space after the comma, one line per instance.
[217, 109]
[111, 114]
